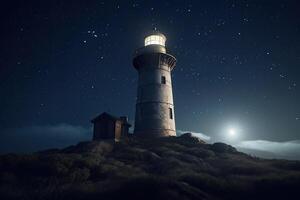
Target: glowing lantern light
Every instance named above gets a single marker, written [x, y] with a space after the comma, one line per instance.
[159, 39]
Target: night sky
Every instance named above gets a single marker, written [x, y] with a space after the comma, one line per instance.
[64, 62]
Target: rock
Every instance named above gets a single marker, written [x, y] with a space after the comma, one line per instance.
[220, 147]
[101, 147]
[188, 137]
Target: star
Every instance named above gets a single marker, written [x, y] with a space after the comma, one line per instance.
[281, 76]
[245, 20]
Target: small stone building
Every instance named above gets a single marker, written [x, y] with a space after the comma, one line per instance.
[107, 126]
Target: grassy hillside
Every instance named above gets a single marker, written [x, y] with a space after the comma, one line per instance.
[162, 168]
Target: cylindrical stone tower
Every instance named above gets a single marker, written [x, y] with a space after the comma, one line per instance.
[154, 114]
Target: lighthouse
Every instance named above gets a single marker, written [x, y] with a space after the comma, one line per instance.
[154, 114]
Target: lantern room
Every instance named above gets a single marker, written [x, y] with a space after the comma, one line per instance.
[159, 39]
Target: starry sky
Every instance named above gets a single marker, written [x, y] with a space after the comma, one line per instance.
[64, 62]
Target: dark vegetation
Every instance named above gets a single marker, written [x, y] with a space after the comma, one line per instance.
[162, 168]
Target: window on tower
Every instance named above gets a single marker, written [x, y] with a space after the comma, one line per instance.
[163, 80]
[171, 113]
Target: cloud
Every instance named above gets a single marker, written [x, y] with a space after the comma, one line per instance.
[195, 134]
[34, 138]
[288, 149]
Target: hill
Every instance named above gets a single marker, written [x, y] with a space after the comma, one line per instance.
[159, 168]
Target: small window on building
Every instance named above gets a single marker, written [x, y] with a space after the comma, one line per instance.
[163, 80]
[171, 113]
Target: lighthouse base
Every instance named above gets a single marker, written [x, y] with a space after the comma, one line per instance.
[155, 133]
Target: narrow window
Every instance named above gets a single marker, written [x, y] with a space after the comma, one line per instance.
[163, 80]
[171, 113]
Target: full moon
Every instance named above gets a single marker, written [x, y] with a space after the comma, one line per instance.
[231, 132]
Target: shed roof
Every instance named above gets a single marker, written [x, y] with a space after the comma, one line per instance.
[108, 116]
[105, 115]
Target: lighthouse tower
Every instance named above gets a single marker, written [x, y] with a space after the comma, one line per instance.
[154, 115]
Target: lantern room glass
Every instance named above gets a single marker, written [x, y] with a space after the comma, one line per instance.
[155, 39]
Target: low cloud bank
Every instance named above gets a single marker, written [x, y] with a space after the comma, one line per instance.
[288, 149]
[195, 134]
[35, 138]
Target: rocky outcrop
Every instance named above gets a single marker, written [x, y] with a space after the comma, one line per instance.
[153, 168]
